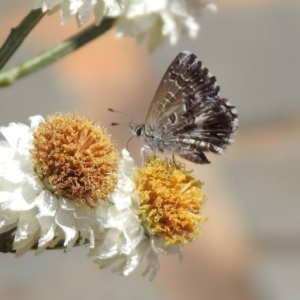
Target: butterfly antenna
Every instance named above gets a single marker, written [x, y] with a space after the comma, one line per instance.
[124, 113]
[120, 123]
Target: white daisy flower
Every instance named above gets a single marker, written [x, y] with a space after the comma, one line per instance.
[81, 8]
[160, 20]
[53, 175]
[155, 210]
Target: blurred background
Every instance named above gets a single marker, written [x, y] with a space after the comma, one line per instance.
[250, 247]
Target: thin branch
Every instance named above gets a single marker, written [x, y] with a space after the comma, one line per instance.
[55, 53]
[18, 34]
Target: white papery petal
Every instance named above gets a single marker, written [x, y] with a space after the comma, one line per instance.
[47, 232]
[11, 171]
[4, 196]
[66, 204]
[133, 234]
[46, 4]
[134, 258]
[27, 231]
[87, 232]
[193, 26]
[211, 6]
[122, 201]
[85, 10]
[6, 152]
[87, 223]
[65, 12]
[52, 3]
[159, 247]
[116, 218]
[17, 136]
[34, 181]
[99, 11]
[102, 214]
[75, 5]
[21, 199]
[103, 263]
[8, 220]
[47, 204]
[35, 121]
[152, 259]
[65, 219]
[110, 245]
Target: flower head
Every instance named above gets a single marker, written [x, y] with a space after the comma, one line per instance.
[81, 8]
[73, 157]
[155, 210]
[52, 176]
[170, 201]
[162, 20]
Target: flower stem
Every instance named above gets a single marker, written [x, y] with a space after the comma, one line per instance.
[53, 54]
[18, 34]
[6, 241]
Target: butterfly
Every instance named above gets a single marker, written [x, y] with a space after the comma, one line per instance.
[186, 116]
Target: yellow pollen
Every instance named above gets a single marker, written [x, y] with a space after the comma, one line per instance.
[171, 201]
[185, 188]
[75, 158]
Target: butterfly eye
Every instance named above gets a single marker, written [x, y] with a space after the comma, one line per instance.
[138, 131]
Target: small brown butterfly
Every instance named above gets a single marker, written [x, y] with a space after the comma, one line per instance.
[187, 117]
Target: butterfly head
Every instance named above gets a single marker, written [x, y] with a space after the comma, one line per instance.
[137, 129]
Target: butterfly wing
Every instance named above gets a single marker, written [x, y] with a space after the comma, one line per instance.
[184, 77]
[187, 116]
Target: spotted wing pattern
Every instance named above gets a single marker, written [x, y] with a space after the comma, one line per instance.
[187, 117]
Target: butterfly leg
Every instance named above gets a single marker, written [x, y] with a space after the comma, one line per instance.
[144, 153]
[171, 161]
[174, 161]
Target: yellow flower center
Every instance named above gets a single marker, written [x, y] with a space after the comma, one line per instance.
[75, 158]
[170, 201]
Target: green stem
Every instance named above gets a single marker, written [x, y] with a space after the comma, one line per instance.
[18, 34]
[53, 54]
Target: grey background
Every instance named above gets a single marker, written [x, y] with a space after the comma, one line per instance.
[250, 247]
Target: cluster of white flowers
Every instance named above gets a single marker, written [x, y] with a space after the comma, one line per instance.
[82, 9]
[157, 21]
[151, 20]
[41, 201]
[61, 179]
